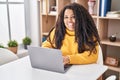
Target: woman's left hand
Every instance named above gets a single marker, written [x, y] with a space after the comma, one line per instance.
[66, 60]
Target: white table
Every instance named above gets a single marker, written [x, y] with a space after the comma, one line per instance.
[21, 70]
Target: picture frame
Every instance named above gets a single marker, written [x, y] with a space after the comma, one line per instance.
[111, 61]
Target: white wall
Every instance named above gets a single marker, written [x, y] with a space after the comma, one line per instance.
[34, 23]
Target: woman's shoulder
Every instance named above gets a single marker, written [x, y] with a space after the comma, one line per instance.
[52, 32]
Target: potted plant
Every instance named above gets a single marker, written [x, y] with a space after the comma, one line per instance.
[13, 45]
[26, 41]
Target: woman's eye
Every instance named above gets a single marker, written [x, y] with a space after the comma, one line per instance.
[65, 17]
[73, 17]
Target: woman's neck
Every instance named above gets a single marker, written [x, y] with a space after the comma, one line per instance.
[69, 32]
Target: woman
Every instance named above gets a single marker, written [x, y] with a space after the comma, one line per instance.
[75, 34]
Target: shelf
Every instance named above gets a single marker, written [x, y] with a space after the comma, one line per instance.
[50, 14]
[117, 69]
[53, 13]
[110, 18]
[107, 42]
[45, 34]
[103, 24]
[94, 16]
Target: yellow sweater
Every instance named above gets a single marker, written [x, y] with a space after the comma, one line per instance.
[70, 48]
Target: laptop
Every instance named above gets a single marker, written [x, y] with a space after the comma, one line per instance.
[47, 59]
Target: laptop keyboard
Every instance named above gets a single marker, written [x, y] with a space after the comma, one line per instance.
[67, 66]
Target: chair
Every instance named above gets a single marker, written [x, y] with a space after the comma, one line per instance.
[100, 57]
[6, 56]
[100, 60]
[112, 77]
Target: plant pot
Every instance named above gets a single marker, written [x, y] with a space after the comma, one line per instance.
[13, 49]
[25, 46]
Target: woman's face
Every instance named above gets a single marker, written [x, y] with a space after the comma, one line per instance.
[69, 19]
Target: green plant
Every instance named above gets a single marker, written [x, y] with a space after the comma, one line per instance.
[1, 46]
[12, 43]
[27, 41]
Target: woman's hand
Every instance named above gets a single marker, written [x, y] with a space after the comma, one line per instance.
[66, 60]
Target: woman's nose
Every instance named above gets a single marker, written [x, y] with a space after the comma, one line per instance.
[69, 19]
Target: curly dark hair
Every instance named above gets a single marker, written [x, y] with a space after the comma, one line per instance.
[86, 34]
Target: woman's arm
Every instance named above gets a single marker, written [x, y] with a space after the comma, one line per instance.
[84, 58]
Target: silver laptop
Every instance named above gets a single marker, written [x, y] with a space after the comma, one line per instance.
[47, 59]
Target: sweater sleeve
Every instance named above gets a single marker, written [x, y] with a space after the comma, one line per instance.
[84, 58]
[46, 44]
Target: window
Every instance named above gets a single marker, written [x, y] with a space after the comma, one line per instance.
[12, 21]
